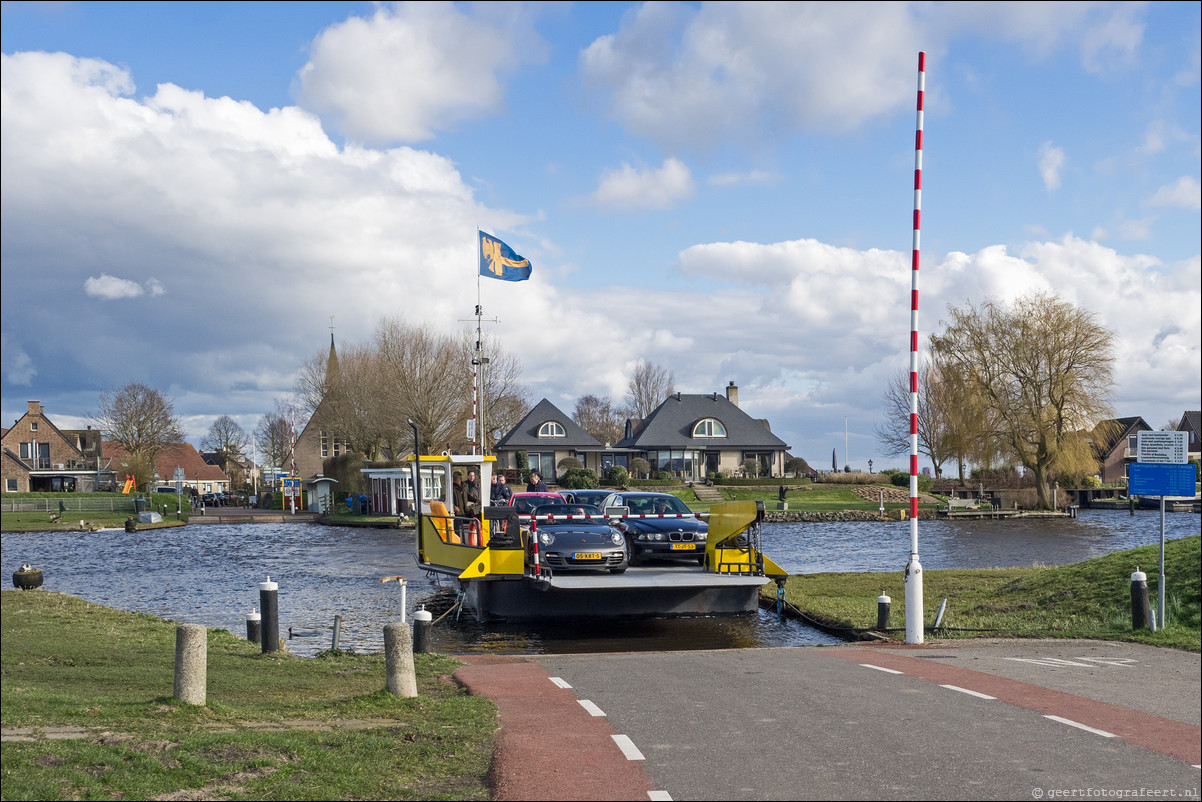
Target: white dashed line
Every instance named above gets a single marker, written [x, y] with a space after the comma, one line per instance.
[1081, 726]
[592, 709]
[659, 796]
[562, 683]
[628, 748]
[967, 691]
[881, 668]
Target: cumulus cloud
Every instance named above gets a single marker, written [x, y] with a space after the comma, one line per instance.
[628, 187]
[1184, 193]
[414, 68]
[1051, 161]
[111, 288]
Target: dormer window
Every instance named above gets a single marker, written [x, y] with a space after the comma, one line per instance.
[709, 427]
[551, 429]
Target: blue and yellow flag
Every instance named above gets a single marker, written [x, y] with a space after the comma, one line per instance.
[497, 260]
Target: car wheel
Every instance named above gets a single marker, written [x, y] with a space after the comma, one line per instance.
[701, 560]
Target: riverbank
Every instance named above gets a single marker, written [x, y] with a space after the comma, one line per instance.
[1090, 599]
[96, 685]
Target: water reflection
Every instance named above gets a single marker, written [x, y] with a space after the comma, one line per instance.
[209, 575]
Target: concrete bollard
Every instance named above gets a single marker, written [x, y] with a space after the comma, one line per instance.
[269, 603]
[398, 660]
[254, 626]
[337, 632]
[191, 658]
[1139, 600]
[883, 605]
[422, 623]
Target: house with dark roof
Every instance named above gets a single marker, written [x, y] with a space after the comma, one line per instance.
[1115, 443]
[1191, 424]
[198, 475]
[694, 436]
[547, 436]
[691, 436]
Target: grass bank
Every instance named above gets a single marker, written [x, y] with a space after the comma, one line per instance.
[1090, 599]
[274, 727]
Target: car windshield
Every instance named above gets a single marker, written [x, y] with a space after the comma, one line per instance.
[575, 510]
[655, 505]
[526, 504]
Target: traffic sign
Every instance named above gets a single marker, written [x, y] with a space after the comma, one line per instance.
[1152, 479]
[1162, 447]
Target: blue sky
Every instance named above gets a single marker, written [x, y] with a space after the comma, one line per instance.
[190, 190]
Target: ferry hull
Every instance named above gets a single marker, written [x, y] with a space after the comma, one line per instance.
[639, 593]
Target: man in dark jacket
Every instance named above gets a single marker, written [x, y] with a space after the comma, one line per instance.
[499, 492]
[537, 485]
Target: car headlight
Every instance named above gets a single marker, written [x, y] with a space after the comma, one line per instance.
[617, 538]
[699, 537]
[546, 538]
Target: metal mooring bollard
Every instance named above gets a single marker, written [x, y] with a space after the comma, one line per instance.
[883, 605]
[1139, 600]
[423, 620]
[269, 603]
[254, 626]
[191, 657]
[398, 660]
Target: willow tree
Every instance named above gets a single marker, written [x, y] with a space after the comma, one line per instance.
[1044, 370]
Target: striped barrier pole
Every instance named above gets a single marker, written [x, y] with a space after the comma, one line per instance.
[914, 633]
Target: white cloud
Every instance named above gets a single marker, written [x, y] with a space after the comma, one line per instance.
[415, 68]
[111, 288]
[1184, 193]
[1051, 161]
[630, 188]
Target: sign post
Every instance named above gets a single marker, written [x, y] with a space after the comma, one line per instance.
[1161, 468]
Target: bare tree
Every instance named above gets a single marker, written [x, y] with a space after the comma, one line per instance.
[429, 382]
[1044, 368]
[274, 435]
[506, 399]
[944, 424]
[599, 417]
[226, 438]
[649, 385]
[140, 418]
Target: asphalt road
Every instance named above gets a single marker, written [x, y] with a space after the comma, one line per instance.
[967, 720]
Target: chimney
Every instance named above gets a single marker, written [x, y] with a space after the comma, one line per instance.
[35, 407]
[732, 394]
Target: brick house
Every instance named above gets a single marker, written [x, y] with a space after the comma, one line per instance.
[198, 474]
[1191, 424]
[1114, 445]
[38, 456]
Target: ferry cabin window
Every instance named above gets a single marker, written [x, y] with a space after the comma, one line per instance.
[551, 429]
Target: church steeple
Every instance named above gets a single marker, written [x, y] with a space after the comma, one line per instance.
[333, 375]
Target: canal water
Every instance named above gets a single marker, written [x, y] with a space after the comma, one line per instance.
[210, 575]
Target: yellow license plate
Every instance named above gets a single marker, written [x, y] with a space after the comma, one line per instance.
[684, 546]
[587, 555]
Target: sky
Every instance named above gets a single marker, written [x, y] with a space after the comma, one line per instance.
[194, 195]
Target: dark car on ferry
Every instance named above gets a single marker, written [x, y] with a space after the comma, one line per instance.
[670, 537]
[594, 497]
[575, 537]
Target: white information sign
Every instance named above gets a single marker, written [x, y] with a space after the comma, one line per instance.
[1163, 447]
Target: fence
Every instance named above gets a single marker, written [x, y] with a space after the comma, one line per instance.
[112, 504]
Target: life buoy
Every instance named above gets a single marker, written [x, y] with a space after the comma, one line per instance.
[473, 532]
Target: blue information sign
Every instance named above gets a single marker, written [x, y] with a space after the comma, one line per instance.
[1161, 479]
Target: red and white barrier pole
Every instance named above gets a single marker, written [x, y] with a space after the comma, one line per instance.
[914, 633]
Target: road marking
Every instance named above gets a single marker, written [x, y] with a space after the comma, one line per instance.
[560, 682]
[967, 691]
[1054, 662]
[592, 709]
[659, 796]
[1081, 726]
[882, 668]
[1121, 662]
[628, 748]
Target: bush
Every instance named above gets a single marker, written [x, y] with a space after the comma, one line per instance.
[639, 468]
[664, 476]
[717, 477]
[577, 479]
[567, 464]
[522, 462]
[617, 475]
